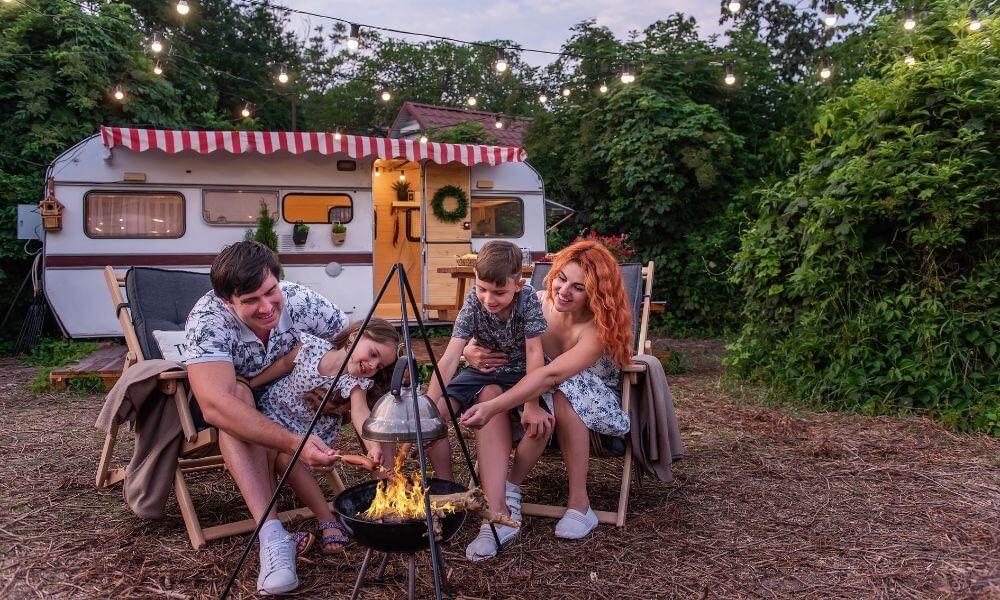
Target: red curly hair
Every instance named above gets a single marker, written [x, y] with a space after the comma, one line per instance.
[606, 298]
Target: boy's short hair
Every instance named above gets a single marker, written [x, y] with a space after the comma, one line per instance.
[498, 261]
[241, 268]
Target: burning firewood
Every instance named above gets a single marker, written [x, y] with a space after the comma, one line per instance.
[472, 501]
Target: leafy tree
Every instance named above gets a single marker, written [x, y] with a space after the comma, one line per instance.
[871, 279]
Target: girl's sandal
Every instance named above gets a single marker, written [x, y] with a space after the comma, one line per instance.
[336, 538]
[303, 542]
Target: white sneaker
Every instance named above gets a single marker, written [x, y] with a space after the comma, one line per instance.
[575, 525]
[277, 566]
[514, 501]
[483, 546]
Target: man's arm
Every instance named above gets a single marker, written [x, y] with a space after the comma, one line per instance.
[213, 384]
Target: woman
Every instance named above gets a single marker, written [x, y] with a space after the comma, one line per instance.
[589, 340]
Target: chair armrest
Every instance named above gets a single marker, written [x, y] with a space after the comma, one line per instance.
[174, 383]
[169, 375]
[634, 368]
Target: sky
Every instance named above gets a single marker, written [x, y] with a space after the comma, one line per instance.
[542, 25]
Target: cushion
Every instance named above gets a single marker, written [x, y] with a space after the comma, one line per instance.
[170, 343]
[160, 300]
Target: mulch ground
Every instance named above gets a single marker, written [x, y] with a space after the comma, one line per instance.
[766, 503]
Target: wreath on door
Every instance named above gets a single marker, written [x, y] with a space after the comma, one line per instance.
[462, 204]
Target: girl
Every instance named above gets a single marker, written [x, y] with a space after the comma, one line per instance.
[313, 365]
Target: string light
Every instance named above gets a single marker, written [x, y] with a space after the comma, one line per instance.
[831, 17]
[402, 175]
[908, 58]
[499, 123]
[604, 87]
[386, 96]
[566, 92]
[471, 101]
[246, 111]
[730, 74]
[157, 45]
[735, 6]
[158, 69]
[974, 23]
[501, 63]
[119, 93]
[182, 7]
[283, 74]
[354, 40]
[337, 135]
[543, 98]
[378, 171]
[423, 138]
[627, 76]
[824, 69]
[909, 22]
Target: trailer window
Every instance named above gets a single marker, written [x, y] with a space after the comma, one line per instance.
[497, 217]
[317, 208]
[134, 214]
[236, 207]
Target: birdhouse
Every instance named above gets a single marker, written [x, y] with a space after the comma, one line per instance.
[51, 210]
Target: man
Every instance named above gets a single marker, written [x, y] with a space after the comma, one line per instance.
[235, 331]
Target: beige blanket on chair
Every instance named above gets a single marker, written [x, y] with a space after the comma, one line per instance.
[135, 400]
[655, 436]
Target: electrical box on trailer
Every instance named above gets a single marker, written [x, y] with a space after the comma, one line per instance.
[29, 222]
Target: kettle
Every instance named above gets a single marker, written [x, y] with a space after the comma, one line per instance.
[392, 418]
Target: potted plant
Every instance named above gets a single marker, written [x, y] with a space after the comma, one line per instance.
[337, 233]
[402, 190]
[300, 233]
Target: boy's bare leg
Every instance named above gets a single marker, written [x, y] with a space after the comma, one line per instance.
[574, 442]
[251, 465]
[529, 450]
[493, 446]
[440, 451]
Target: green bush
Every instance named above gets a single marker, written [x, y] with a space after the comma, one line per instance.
[51, 354]
[871, 278]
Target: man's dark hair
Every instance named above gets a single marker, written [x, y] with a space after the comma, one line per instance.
[241, 268]
[498, 261]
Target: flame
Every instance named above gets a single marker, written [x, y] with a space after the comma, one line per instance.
[402, 496]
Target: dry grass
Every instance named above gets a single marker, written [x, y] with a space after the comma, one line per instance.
[765, 504]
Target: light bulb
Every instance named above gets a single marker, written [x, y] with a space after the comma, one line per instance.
[386, 96]
[543, 98]
[246, 111]
[627, 76]
[283, 74]
[499, 123]
[501, 63]
[402, 176]
[824, 70]
[158, 69]
[182, 7]
[471, 101]
[730, 74]
[337, 135]
[378, 172]
[119, 93]
[908, 59]
[909, 22]
[735, 6]
[565, 92]
[423, 139]
[831, 17]
[604, 88]
[354, 41]
[974, 23]
[157, 45]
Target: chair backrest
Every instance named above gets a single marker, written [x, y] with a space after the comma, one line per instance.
[160, 300]
[632, 280]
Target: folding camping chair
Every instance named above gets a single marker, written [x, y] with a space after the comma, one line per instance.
[638, 280]
[160, 300]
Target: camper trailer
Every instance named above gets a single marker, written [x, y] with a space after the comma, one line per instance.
[174, 199]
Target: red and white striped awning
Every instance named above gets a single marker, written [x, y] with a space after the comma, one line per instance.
[297, 142]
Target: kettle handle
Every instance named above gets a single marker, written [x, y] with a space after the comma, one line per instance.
[397, 375]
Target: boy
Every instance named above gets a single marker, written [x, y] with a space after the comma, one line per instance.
[504, 315]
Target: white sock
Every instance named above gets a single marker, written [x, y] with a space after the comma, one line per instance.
[271, 529]
[513, 487]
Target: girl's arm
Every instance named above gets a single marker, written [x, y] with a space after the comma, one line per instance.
[538, 381]
[279, 368]
[359, 413]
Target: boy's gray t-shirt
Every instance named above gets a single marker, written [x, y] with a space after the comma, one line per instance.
[526, 321]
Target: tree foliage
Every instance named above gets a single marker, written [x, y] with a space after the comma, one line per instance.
[871, 278]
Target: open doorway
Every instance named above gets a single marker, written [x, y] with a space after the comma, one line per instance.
[396, 188]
